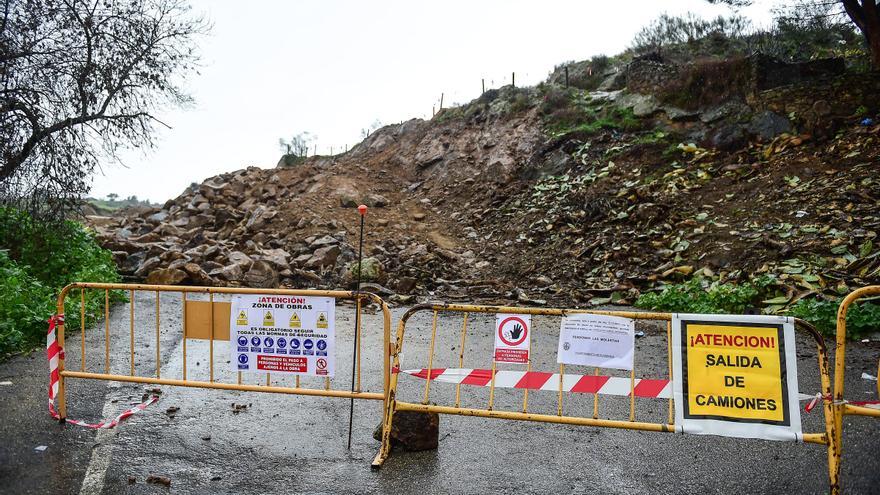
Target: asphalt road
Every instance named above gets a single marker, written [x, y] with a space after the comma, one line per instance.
[297, 444]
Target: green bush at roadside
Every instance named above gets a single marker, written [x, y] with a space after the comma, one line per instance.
[702, 296]
[36, 261]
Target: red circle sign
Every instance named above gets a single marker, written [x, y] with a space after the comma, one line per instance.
[517, 341]
[322, 363]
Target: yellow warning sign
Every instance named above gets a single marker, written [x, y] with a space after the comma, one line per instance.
[734, 371]
[242, 318]
[322, 320]
[295, 321]
[268, 319]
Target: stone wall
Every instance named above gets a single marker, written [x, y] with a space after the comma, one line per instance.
[838, 96]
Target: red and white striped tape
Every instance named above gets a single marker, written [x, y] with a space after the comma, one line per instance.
[54, 352]
[586, 384]
[538, 380]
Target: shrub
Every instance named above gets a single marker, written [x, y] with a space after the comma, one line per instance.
[861, 319]
[36, 261]
[699, 296]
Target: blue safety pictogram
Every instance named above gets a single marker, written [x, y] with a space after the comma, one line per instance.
[242, 358]
[294, 343]
[268, 342]
[308, 344]
[255, 341]
[322, 345]
[282, 342]
[242, 340]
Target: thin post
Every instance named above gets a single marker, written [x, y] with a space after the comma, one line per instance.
[211, 344]
[566, 76]
[492, 387]
[82, 324]
[461, 359]
[107, 331]
[357, 338]
[632, 394]
[561, 376]
[596, 399]
[184, 336]
[669, 357]
[483, 82]
[356, 358]
[430, 359]
[131, 329]
[513, 79]
[441, 101]
[158, 366]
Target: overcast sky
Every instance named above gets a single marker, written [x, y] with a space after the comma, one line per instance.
[274, 69]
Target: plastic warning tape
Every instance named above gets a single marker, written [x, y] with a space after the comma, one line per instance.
[538, 380]
[54, 352]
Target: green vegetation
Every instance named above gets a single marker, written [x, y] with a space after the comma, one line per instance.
[861, 319]
[699, 295]
[36, 261]
[568, 111]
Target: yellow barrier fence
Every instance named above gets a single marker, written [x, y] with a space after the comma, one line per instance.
[628, 385]
[204, 315]
[842, 407]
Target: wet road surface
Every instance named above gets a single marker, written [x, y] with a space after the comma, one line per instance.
[244, 442]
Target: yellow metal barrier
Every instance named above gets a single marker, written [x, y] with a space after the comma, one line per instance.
[840, 406]
[207, 320]
[394, 404]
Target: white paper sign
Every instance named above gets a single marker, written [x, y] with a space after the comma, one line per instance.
[597, 340]
[283, 334]
[512, 338]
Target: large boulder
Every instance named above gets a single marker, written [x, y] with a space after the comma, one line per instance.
[261, 274]
[370, 268]
[166, 276]
[413, 430]
[767, 125]
[325, 256]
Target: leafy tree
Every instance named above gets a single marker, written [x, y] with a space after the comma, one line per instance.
[865, 14]
[112, 197]
[80, 80]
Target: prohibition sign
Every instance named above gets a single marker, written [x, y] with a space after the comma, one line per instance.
[516, 338]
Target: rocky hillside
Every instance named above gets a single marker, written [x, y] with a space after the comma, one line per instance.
[650, 173]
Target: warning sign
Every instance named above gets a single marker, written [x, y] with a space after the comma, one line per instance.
[305, 346]
[736, 376]
[295, 322]
[512, 338]
[597, 340]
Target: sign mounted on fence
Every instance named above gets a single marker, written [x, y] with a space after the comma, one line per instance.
[512, 338]
[596, 340]
[283, 334]
[735, 376]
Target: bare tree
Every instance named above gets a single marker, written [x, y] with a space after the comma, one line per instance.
[80, 81]
[298, 145]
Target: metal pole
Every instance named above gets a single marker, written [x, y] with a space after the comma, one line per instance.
[362, 209]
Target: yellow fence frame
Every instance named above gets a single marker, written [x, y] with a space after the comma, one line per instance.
[840, 406]
[213, 322]
[392, 405]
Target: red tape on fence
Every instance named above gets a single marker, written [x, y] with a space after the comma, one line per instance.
[54, 352]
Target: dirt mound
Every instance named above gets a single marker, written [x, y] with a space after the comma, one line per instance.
[493, 201]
